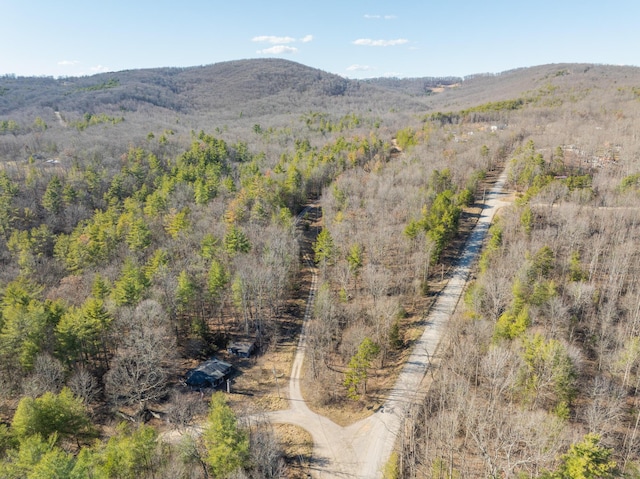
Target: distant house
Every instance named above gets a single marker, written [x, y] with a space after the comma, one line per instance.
[211, 373]
[242, 349]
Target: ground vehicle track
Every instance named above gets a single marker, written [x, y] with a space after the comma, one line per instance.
[362, 449]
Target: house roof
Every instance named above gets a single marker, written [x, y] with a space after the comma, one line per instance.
[211, 370]
[245, 347]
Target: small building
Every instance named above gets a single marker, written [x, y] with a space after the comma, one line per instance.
[242, 349]
[210, 373]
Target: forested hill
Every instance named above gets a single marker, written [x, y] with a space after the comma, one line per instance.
[288, 85]
[231, 85]
[150, 217]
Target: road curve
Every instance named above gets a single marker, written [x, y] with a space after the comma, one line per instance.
[363, 448]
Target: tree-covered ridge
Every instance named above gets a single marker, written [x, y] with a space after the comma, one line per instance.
[185, 90]
[537, 341]
[129, 247]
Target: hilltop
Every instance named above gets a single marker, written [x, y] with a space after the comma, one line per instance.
[231, 91]
[235, 85]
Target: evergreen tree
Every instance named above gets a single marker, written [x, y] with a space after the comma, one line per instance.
[100, 288]
[52, 200]
[357, 374]
[236, 241]
[139, 236]
[226, 444]
[586, 460]
[80, 331]
[217, 279]
[54, 464]
[185, 291]
[177, 221]
[209, 246]
[25, 329]
[129, 454]
[52, 415]
[128, 289]
[324, 248]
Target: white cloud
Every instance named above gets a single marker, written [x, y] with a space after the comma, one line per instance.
[66, 63]
[380, 43]
[278, 50]
[99, 69]
[273, 39]
[307, 39]
[359, 68]
[380, 17]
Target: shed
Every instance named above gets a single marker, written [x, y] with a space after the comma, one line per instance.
[210, 373]
[242, 349]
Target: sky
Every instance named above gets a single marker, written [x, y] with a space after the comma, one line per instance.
[351, 38]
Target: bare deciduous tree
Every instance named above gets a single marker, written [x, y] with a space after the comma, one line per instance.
[83, 385]
[184, 407]
[47, 376]
[140, 368]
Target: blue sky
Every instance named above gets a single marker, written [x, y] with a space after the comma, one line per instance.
[352, 38]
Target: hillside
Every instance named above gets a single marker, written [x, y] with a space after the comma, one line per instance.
[149, 217]
[237, 86]
[230, 95]
[231, 85]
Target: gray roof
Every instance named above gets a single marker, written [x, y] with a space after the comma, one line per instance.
[241, 347]
[212, 370]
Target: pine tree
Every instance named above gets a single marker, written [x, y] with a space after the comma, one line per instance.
[357, 374]
[128, 289]
[52, 200]
[236, 241]
[139, 236]
[586, 460]
[324, 248]
[227, 445]
[185, 291]
[62, 415]
[217, 279]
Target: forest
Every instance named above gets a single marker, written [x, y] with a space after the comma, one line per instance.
[149, 217]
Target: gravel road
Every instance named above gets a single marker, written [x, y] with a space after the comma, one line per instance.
[361, 449]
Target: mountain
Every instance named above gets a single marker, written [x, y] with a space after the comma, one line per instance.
[224, 86]
[236, 96]
[275, 86]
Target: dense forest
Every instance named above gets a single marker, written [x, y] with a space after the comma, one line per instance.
[149, 217]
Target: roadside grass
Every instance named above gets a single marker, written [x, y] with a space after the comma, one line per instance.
[297, 447]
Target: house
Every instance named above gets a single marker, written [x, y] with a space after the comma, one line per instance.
[242, 349]
[210, 373]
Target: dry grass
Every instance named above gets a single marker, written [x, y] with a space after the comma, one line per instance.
[263, 382]
[297, 447]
